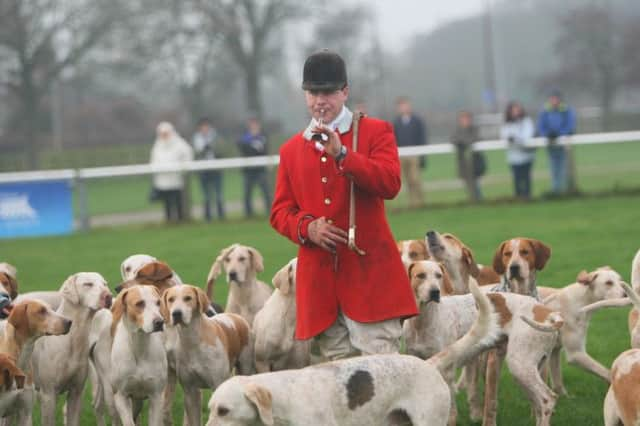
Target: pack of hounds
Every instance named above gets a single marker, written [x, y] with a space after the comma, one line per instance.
[158, 332]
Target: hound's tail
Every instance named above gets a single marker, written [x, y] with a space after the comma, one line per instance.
[635, 272]
[633, 295]
[482, 335]
[555, 319]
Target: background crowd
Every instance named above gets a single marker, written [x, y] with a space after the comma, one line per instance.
[555, 120]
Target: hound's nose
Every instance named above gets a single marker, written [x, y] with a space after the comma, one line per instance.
[514, 270]
[67, 325]
[434, 295]
[233, 276]
[108, 300]
[176, 316]
[5, 300]
[432, 238]
[118, 289]
[158, 324]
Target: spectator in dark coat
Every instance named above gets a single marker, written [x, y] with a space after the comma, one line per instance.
[410, 131]
[557, 119]
[204, 144]
[253, 143]
[469, 169]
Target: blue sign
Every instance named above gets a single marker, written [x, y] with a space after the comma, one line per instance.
[30, 209]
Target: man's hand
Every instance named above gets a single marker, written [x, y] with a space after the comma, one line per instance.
[332, 145]
[325, 235]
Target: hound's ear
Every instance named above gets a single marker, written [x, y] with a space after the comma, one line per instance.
[155, 271]
[164, 307]
[20, 378]
[117, 310]
[12, 283]
[7, 380]
[410, 268]
[447, 287]
[261, 398]
[155, 291]
[216, 269]
[423, 245]
[69, 290]
[543, 253]
[11, 372]
[19, 318]
[122, 271]
[257, 262]
[467, 257]
[498, 265]
[282, 279]
[9, 269]
[586, 278]
[203, 300]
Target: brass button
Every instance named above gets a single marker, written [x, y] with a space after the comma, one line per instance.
[330, 221]
[324, 179]
[327, 201]
[323, 159]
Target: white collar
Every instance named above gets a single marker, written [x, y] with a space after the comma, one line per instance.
[342, 124]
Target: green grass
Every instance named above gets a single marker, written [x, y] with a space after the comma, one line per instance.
[584, 234]
[599, 168]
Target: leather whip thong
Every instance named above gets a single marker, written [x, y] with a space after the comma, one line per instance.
[352, 196]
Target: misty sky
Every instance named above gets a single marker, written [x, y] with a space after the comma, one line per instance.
[399, 19]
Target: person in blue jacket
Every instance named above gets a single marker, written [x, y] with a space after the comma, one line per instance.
[254, 142]
[555, 120]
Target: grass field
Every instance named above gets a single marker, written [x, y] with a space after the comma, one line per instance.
[584, 234]
[599, 168]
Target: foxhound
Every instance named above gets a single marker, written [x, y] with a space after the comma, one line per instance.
[590, 287]
[371, 390]
[28, 321]
[83, 294]
[207, 349]
[247, 295]
[275, 324]
[528, 328]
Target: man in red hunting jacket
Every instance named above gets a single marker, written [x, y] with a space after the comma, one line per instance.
[352, 303]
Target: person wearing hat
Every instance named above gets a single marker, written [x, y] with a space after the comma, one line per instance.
[169, 150]
[351, 289]
[557, 119]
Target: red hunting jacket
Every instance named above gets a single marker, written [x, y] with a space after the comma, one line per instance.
[369, 288]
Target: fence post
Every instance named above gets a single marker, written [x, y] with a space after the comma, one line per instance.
[572, 184]
[83, 204]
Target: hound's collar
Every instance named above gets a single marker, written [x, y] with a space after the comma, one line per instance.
[505, 287]
[342, 124]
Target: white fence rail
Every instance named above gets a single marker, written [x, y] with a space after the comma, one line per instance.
[81, 175]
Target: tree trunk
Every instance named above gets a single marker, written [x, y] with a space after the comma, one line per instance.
[254, 101]
[30, 124]
[606, 100]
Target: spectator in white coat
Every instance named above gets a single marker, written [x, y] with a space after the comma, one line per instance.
[518, 131]
[170, 149]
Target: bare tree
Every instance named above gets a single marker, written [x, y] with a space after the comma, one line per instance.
[349, 30]
[194, 56]
[631, 47]
[39, 40]
[589, 47]
[247, 28]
